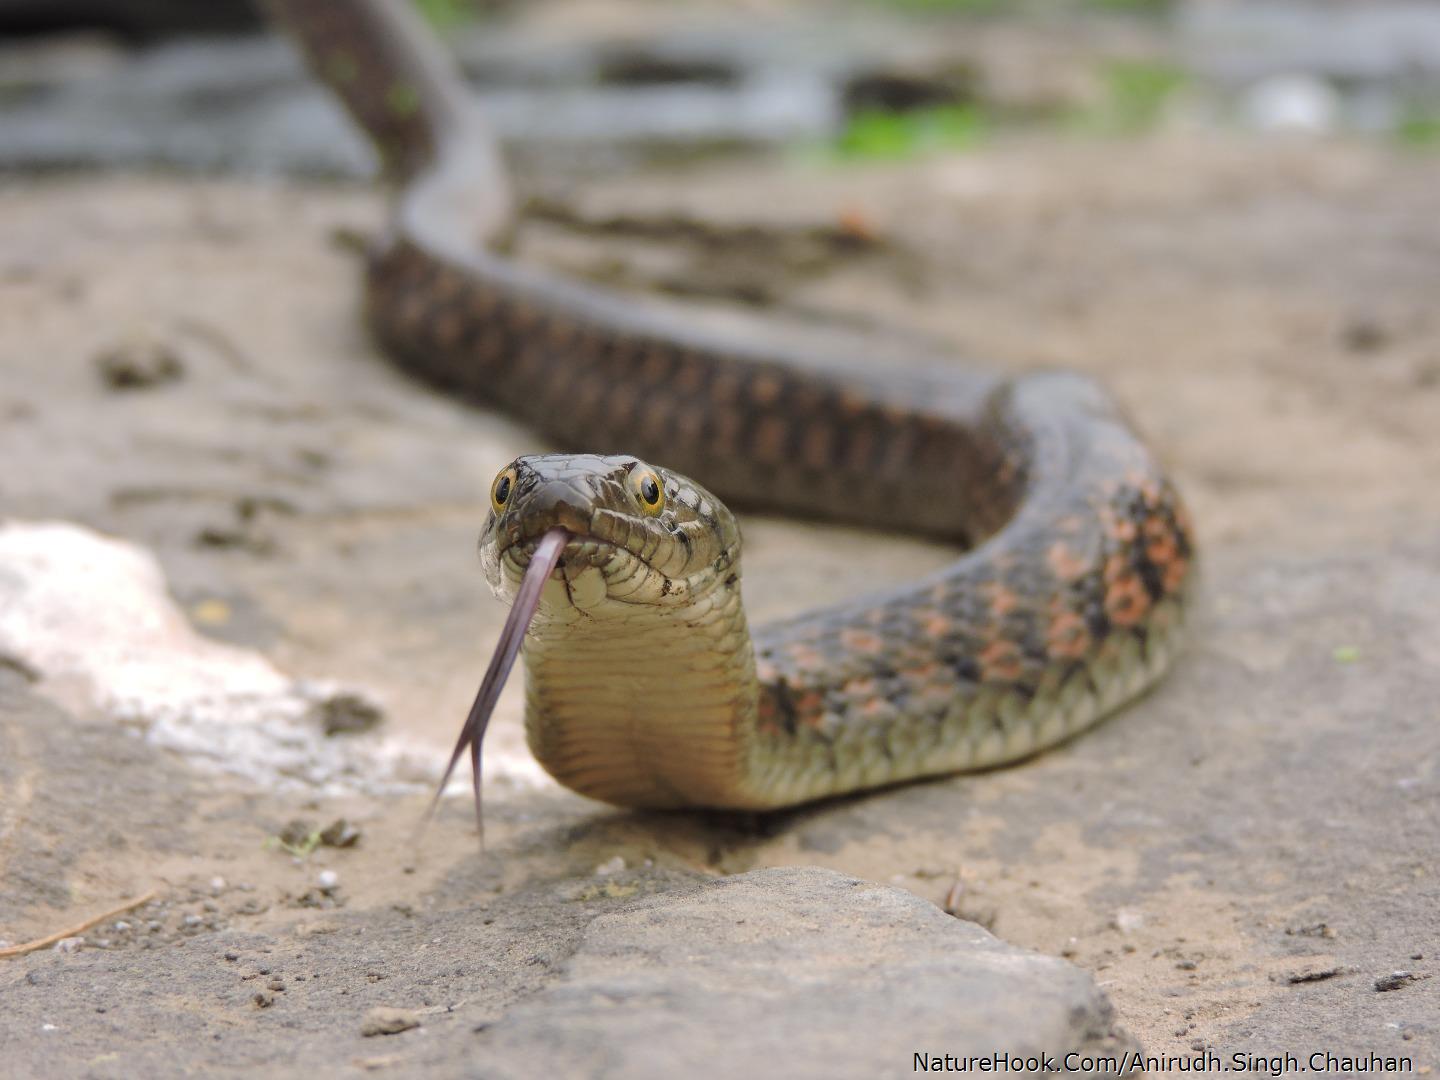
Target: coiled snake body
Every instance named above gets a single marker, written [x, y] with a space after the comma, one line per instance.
[643, 685]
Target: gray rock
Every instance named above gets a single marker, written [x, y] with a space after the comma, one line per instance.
[803, 970]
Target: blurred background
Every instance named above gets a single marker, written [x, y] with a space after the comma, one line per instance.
[200, 86]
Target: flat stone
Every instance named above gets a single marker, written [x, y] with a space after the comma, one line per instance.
[821, 972]
[806, 970]
[145, 665]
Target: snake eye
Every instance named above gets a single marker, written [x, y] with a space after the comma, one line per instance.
[649, 490]
[500, 490]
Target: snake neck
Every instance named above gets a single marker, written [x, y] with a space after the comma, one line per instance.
[679, 730]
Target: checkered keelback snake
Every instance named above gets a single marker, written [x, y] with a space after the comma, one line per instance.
[644, 685]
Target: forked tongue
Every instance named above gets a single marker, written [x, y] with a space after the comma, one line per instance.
[527, 600]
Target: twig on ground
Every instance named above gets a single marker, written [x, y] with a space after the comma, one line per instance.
[79, 928]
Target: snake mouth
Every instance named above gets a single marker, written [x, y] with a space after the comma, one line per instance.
[585, 566]
[592, 567]
[543, 557]
[584, 549]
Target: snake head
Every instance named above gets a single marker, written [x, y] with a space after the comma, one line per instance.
[637, 534]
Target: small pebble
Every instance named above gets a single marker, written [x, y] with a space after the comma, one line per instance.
[263, 999]
[1396, 980]
[232, 956]
[138, 363]
[275, 984]
[296, 833]
[217, 884]
[347, 714]
[610, 866]
[1363, 335]
[339, 833]
[1128, 920]
[70, 944]
[383, 1020]
[328, 880]
[192, 921]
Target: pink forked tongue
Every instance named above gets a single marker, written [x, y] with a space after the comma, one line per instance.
[527, 600]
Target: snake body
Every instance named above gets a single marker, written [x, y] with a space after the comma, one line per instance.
[644, 686]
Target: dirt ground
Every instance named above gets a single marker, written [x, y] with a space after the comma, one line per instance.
[1238, 858]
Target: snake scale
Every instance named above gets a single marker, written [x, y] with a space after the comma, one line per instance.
[644, 686]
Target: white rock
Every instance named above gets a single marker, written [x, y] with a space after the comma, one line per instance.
[93, 612]
[1301, 104]
[1128, 920]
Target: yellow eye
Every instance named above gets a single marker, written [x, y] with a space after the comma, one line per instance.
[502, 489]
[648, 490]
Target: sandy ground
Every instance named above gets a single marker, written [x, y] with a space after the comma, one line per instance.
[1238, 858]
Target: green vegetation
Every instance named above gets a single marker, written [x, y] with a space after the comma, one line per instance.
[963, 7]
[995, 7]
[1419, 127]
[294, 843]
[883, 134]
[1136, 93]
[1139, 7]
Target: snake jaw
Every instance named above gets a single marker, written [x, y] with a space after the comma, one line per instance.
[578, 583]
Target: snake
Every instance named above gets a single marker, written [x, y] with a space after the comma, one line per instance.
[644, 685]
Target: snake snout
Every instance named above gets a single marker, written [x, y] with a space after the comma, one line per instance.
[553, 503]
